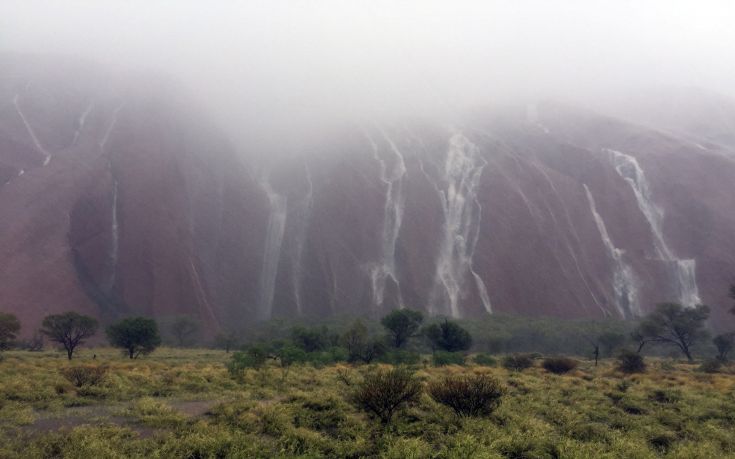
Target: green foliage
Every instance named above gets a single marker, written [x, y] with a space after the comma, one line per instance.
[402, 324]
[84, 375]
[383, 392]
[475, 395]
[360, 347]
[135, 336]
[610, 342]
[226, 340]
[517, 362]
[724, 344]
[9, 327]
[485, 360]
[69, 329]
[630, 362]
[448, 336]
[672, 323]
[251, 357]
[314, 339]
[441, 358]
[184, 330]
[559, 365]
[400, 357]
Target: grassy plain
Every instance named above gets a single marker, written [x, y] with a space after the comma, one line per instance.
[184, 403]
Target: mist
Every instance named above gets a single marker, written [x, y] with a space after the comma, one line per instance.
[264, 65]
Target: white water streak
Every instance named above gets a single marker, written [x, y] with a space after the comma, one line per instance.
[462, 215]
[272, 248]
[683, 270]
[36, 142]
[301, 239]
[392, 176]
[80, 122]
[110, 127]
[624, 282]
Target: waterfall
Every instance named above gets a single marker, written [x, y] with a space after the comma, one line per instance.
[80, 122]
[624, 283]
[36, 142]
[683, 271]
[391, 175]
[303, 226]
[110, 127]
[462, 215]
[272, 249]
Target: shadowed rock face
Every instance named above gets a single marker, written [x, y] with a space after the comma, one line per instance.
[120, 199]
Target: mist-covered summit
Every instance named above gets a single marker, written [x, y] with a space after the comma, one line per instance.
[121, 198]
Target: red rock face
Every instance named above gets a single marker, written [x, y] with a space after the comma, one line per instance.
[120, 199]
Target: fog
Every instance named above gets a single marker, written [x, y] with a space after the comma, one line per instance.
[283, 63]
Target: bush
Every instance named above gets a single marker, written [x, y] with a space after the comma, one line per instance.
[400, 357]
[84, 375]
[441, 358]
[485, 360]
[476, 395]
[631, 362]
[711, 366]
[559, 365]
[382, 392]
[517, 362]
[448, 336]
[252, 357]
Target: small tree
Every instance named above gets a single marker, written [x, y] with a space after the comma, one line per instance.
[672, 323]
[314, 339]
[69, 330]
[448, 336]
[184, 329]
[227, 340]
[631, 362]
[355, 340]
[724, 343]
[402, 324]
[137, 335]
[9, 327]
[385, 391]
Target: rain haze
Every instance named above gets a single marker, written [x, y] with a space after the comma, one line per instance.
[276, 63]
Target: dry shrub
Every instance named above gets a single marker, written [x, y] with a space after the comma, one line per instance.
[559, 365]
[84, 375]
[518, 362]
[475, 395]
[382, 392]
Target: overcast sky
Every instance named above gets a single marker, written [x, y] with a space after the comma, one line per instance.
[267, 58]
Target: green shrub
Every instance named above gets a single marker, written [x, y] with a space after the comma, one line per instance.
[252, 357]
[476, 395]
[382, 392]
[441, 358]
[84, 375]
[559, 365]
[485, 360]
[631, 362]
[517, 362]
[400, 357]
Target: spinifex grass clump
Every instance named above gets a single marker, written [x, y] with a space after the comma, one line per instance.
[383, 392]
[631, 362]
[559, 365]
[474, 395]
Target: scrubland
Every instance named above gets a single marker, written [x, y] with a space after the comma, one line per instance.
[185, 403]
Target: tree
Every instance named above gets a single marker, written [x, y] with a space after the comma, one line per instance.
[226, 340]
[724, 343]
[69, 329]
[136, 335]
[313, 339]
[672, 323]
[448, 336]
[183, 329]
[402, 324]
[354, 339]
[9, 327]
